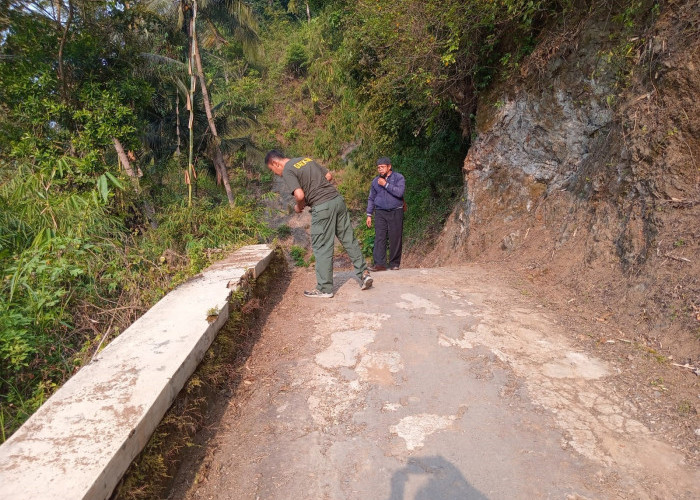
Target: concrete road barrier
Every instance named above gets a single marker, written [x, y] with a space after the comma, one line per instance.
[81, 441]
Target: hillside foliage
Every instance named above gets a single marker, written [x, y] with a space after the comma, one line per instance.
[95, 220]
[111, 156]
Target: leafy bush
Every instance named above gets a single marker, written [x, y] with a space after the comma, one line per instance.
[365, 236]
[39, 336]
[291, 135]
[298, 255]
[71, 273]
[212, 225]
[283, 231]
[297, 60]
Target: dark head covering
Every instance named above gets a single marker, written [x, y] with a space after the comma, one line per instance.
[384, 160]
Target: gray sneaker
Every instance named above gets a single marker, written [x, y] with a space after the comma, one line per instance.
[366, 281]
[318, 294]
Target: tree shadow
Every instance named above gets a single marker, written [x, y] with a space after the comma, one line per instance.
[445, 481]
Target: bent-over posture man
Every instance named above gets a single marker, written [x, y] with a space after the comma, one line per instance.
[310, 185]
[386, 201]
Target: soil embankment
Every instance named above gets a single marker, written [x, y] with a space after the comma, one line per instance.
[584, 178]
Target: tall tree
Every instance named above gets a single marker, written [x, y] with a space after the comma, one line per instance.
[232, 17]
[219, 161]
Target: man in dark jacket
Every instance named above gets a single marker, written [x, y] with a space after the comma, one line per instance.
[387, 204]
[310, 185]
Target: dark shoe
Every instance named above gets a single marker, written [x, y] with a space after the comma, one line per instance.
[376, 268]
[366, 281]
[394, 268]
[318, 294]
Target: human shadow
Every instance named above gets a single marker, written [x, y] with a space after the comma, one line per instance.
[445, 481]
[342, 277]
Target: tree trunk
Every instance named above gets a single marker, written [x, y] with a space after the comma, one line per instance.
[57, 5]
[124, 161]
[190, 107]
[218, 155]
[177, 121]
[308, 12]
[61, 46]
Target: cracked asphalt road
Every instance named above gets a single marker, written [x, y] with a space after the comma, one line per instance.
[435, 384]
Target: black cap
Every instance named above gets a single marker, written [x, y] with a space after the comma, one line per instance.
[384, 160]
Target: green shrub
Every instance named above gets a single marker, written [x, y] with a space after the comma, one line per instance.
[291, 135]
[298, 255]
[297, 60]
[215, 226]
[365, 236]
[72, 273]
[283, 231]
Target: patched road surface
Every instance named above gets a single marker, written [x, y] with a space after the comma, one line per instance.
[432, 385]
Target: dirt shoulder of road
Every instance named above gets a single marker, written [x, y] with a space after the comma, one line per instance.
[666, 394]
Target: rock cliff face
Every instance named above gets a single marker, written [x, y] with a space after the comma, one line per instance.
[585, 171]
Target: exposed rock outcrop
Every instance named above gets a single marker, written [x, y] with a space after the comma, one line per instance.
[585, 169]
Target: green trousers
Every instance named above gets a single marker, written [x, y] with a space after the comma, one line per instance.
[328, 220]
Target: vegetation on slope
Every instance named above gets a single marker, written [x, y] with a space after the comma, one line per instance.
[95, 220]
[108, 183]
[371, 78]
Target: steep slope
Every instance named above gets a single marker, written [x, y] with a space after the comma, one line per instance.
[585, 174]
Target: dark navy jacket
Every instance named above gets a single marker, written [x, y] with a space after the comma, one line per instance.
[388, 197]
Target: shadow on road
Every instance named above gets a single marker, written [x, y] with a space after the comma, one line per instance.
[444, 481]
[342, 277]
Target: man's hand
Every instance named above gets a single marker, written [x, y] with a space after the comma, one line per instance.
[300, 200]
[369, 221]
[381, 181]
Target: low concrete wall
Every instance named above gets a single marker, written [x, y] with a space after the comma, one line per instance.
[81, 441]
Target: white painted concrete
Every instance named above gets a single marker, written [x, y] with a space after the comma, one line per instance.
[81, 441]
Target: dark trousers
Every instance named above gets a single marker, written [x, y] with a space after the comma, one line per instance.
[388, 224]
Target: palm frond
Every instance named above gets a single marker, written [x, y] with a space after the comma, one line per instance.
[183, 89]
[164, 60]
[161, 6]
[231, 144]
[211, 37]
[243, 14]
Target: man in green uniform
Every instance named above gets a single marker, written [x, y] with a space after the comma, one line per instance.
[310, 185]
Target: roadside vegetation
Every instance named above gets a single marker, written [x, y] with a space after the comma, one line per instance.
[108, 184]
[131, 138]
[359, 80]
